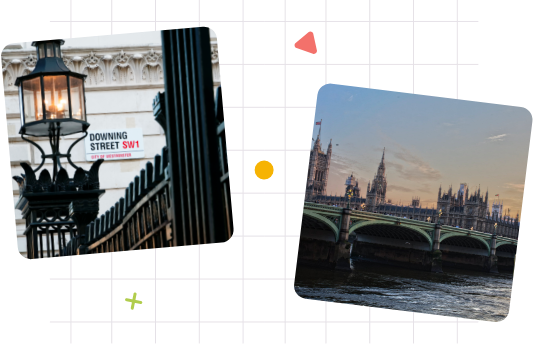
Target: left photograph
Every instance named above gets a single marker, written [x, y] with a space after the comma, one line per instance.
[117, 143]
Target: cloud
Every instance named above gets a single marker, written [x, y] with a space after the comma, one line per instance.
[350, 99]
[399, 188]
[343, 163]
[413, 168]
[497, 138]
[447, 124]
[514, 187]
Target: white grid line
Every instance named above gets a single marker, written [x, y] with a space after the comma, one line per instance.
[285, 170]
[70, 320]
[268, 107]
[198, 291]
[369, 307]
[413, 91]
[369, 87]
[176, 278]
[267, 193]
[155, 297]
[269, 150]
[243, 128]
[348, 64]
[70, 26]
[413, 45]
[325, 82]
[285, 150]
[199, 247]
[258, 322]
[370, 43]
[111, 275]
[414, 327]
[457, 98]
[265, 21]
[325, 320]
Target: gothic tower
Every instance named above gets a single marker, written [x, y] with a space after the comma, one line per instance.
[318, 168]
[444, 204]
[376, 191]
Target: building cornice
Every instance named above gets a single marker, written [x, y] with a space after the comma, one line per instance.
[107, 68]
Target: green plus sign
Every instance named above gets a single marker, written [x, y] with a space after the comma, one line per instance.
[134, 301]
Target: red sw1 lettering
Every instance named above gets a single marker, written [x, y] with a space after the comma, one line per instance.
[130, 144]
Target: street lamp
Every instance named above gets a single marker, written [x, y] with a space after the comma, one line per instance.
[349, 195]
[439, 216]
[52, 104]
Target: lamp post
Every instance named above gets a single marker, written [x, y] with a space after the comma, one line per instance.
[52, 104]
[349, 195]
[439, 216]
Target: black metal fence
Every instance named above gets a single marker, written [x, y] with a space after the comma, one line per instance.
[137, 219]
[183, 197]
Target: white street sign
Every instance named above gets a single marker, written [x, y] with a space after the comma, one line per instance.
[115, 144]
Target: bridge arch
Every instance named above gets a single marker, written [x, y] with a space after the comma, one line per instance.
[505, 243]
[505, 249]
[323, 220]
[468, 237]
[359, 225]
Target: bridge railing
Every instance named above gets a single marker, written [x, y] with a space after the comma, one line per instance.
[511, 233]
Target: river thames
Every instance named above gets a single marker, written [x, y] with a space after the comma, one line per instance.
[456, 293]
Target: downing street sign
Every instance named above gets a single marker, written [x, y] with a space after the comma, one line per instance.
[117, 144]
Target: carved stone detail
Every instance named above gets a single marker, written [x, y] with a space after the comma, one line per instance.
[214, 54]
[103, 67]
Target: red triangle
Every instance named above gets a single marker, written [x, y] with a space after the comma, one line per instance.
[307, 43]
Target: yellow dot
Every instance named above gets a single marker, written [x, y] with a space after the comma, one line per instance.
[264, 169]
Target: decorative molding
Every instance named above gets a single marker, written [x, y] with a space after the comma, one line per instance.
[106, 68]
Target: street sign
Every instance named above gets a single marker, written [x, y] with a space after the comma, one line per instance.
[116, 144]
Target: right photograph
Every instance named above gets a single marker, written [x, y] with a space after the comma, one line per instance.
[413, 203]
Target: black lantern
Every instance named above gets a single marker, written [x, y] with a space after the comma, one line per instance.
[52, 101]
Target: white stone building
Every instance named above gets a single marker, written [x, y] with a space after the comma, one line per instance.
[123, 77]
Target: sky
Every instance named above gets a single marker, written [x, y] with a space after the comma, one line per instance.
[428, 142]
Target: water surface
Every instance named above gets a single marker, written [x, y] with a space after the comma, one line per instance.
[457, 293]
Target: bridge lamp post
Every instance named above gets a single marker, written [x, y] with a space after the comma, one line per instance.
[363, 206]
[349, 195]
[439, 216]
[428, 219]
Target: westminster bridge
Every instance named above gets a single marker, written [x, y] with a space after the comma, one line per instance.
[330, 236]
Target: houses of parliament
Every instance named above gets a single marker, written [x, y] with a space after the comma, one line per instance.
[463, 209]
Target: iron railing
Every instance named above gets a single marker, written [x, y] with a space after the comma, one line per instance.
[136, 221]
[183, 198]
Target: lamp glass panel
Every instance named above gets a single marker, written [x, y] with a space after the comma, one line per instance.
[77, 98]
[33, 104]
[56, 97]
[50, 50]
[41, 51]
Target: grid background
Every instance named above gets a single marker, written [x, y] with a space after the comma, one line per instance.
[242, 290]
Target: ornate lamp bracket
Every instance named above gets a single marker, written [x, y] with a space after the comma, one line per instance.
[56, 154]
